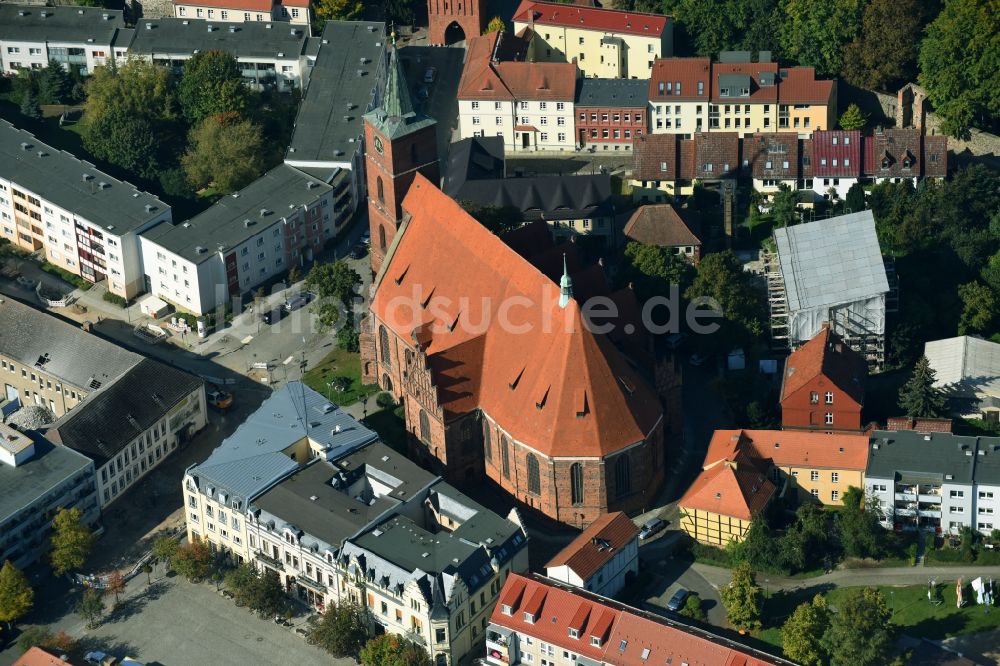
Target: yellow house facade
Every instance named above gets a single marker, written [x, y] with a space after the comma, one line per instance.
[826, 485]
[713, 529]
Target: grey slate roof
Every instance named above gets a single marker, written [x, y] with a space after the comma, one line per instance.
[75, 356]
[223, 225]
[624, 93]
[910, 453]
[58, 176]
[337, 97]
[251, 460]
[832, 261]
[31, 23]
[475, 158]
[118, 413]
[251, 39]
[965, 365]
[22, 485]
[323, 501]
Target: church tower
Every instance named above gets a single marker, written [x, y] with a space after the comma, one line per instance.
[399, 142]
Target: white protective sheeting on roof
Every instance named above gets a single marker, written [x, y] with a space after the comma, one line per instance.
[966, 362]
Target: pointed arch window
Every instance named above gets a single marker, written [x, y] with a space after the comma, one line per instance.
[505, 456]
[487, 444]
[425, 427]
[534, 478]
[381, 238]
[576, 483]
[623, 475]
[383, 343]
[380, 189]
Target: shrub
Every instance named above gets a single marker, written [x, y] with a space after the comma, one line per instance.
[385, 400]
[66, 276]
[911, 553]
[114, 299]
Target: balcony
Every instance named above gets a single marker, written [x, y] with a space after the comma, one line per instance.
[305, 581]
[929, 513]
[906, 497]
[930, 498]
[269, 561]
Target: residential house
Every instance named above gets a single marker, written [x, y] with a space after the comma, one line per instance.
[282, 219]
[604, 43]
[830, 271]
[610, 113]
[269, 55]
[718, 507]
[81, 38]
[716, 158]
[84, 220]
[36, 656]
[935, 481]
[805, 104]
[529, 104]
[968, 371]
[895, 155]
[603, 559]
[679, 94]
[349, 76]
[304, 490]
[823, 385]
[664, 226]
[540, 620]
[835, 161]
[36, 480]
[240, 11]
[773, 160]
[468, 394]
[667, 166]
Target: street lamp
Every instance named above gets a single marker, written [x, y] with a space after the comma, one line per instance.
[767, 588]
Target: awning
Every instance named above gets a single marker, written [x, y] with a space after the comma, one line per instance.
[525, 128]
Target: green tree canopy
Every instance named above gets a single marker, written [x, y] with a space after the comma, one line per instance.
[495, 25]
[720, 277]
[859, 527]
[393, 650]
[960, 65]
[653, 270]
[16, 595]
[138, 87]
[979, 309]
[803, 631]
[335, 284]
[56, 643]
[193, 560]
[856, 197]
[853, 118]
[225, 151]
[743, 598]
[784, 206]
[342, 630]
[860, 632]
[266, 594]
[212, 85]
[883, 56]
[54, 85]
[29, 106]
[814, 32]
[498, 219]
[693, 609]
[164, 548]
[918, 397]
[71, 541]
[336, 10]
[91, 607]
[728, 25]
[125, 140]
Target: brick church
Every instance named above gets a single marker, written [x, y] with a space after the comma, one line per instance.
[482, 341]
[451, 21]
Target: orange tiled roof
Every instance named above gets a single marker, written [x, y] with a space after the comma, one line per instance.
[827, 355]
[791, 448]
[587, 553]
[36, 656]
[734, 486]
[240, 5]
[799, 86]
[485, 79]
[549, 380]
[591, 18]
[685, 72]
[660, 224]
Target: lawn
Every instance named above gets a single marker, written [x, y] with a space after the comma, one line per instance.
[339, 363]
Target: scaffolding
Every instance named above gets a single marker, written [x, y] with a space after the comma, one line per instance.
[777, 301]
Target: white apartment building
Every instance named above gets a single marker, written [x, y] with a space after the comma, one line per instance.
[603, 559]
[281, 220]
[79, 37]
[531, 105]
[86, 221]
[935, 481]
[240, 11]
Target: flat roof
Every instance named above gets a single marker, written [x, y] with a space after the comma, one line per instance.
[938, 455]
[24, 484]
[74, 185]
[235, 218]
[341, 90]
[250, 39]
[32, 23]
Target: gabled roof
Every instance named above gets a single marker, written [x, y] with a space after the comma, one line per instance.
[738, 76]
[773, 155]
[479, 80]
[736, 486]
[249, 39]
[591, 18]
[798, 85]
[790, 448]
[836, 154]
[935, 156]
[893, 153]
[832, 261]
[61, 24]
[716, 155]
[36, 656]
[241, 5]
[683, 76]
[655, 156]
[475, 158]
[485, 78]
[965, 364]
[828, 356]
[553, 383]
[660, 224]
[597, 545]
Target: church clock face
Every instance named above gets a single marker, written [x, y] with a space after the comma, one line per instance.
[378, 145]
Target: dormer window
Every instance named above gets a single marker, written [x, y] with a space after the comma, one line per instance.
[907, 162]
[745, 92]
[723, 92]
[529, 618]
[595, 641]
[505, 609]
[573, 633]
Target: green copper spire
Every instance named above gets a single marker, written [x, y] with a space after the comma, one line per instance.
[397, 102]
[565, 286]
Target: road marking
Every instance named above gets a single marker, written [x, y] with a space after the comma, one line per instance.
[247, 340]
[288, 360]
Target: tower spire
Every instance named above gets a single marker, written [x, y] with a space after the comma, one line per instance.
[396, 103]
[565, 285]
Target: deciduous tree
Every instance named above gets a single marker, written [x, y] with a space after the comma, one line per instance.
[71, 541]
[959, 65]
[853, 118]
[784, 206]
[979, 309]
[337, 10]
[225, 151]
[266, 594]
[720, 277]
[727, 25]
[57, 643]
[498, 219]
[335, 285]
[858, 523]
[860, 632]
[495, 25]
[814, 32]
[393, 650]
[116, 585]
[883, 56]
[693, 609]
[212, 85]
[91, 607]
[193, 561]
[16, 595]
[803, 631]
[743, 598]
[164, 548]
[342, 630]
[918, 397]
[653, 270]
[125, 140]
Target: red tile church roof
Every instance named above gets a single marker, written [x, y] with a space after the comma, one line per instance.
[591, 18]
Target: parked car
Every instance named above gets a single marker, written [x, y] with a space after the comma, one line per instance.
[677, 601]
[430, 74]
[97, 658]
[297, 301]
[274, 316]
[358, 251]
[366, 238]
[219, 399]
[651, 527]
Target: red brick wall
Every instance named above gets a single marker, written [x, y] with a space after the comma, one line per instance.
[636, 125]
[798, 412]
[468, 14]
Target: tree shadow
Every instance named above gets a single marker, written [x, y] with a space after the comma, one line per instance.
[108, 645]
[125, 610]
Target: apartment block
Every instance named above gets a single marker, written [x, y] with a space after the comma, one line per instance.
[282, 219]
[38, 478]
[269, 55]
[603, 559]
[244, 11]
[78, 37]
[531, 105]
[542, 621]
[340, 516]
[935, 481]
[85, 221]
[604, 43]
[610, 113]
